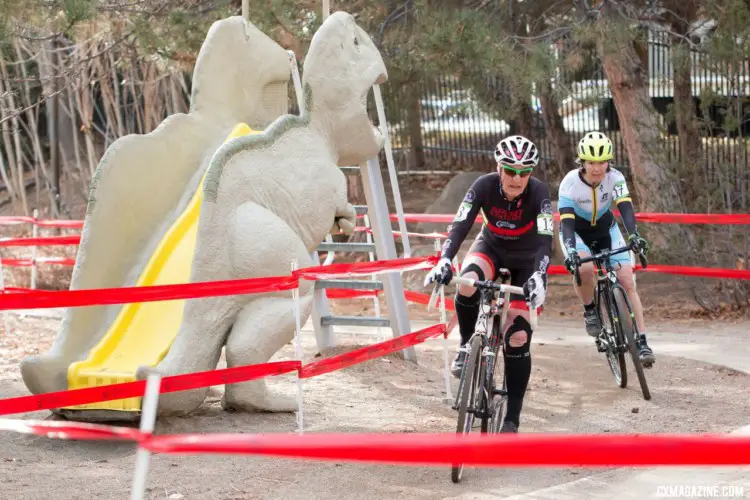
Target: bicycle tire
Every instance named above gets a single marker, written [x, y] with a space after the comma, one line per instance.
[496, 403]
[615, 356]
[470, 373]
[484, 397]
[626, 317]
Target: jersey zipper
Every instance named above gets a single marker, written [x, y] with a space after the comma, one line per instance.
[596, 208]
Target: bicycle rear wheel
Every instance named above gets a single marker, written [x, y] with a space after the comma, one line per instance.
[628, 328]
[469, 396]
[615, 357]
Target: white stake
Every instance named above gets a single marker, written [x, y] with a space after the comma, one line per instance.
[2, 288]
[298, 350]
[443, 320]
[392, 170]
[34, 234]
[148, 419]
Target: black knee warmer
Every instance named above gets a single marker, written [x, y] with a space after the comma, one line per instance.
[467, 308]
[517, 368]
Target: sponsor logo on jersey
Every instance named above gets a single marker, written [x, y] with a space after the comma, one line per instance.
[463, 212]
[508, 215]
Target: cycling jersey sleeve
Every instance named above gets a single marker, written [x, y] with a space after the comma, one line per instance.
[621, 197]
[566, 207]
[464, 219]
[544, 229]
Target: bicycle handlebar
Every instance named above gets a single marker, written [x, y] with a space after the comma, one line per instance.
[486, 285]
[604, 254]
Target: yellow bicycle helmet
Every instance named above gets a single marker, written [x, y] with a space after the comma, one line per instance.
[595, 146]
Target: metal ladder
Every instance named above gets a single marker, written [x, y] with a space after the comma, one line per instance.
[381, 246]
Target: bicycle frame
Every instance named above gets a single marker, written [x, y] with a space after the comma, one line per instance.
[490, 306]
[604, 257]
[606, 276]
[478, 398]
[490, 287]
[619, 341]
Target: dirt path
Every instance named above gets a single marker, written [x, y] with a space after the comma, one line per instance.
[571, 390]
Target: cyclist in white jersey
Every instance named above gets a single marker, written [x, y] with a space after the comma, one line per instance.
[587, 224]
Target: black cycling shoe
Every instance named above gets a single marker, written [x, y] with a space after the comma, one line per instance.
[509, 426]
[593, 325]
[458, 363]
[645, 352]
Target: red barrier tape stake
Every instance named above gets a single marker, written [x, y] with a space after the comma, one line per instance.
[173, 383]
[370, 352]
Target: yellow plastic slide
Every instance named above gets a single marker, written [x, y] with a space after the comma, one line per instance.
[143, 332]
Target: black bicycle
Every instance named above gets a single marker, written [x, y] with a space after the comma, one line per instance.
[477, 395]
[619, 327]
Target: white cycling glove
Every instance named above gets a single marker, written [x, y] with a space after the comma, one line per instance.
[442, 273]
[534, 290]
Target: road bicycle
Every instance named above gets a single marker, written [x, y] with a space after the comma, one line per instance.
[477, 395]
[619, 327]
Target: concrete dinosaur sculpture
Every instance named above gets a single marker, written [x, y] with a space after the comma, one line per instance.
[143, 182]
[270, 199]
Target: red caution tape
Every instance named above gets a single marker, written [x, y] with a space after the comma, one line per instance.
[41, 241]
[365, 268]
[39, 260]
[370, 352]
[699, 272]
[173, 383]
[70, 224]
[71, 430]
[703, 272]
[718, 219]
[496, 450]
[11, 220]
[674, 218]
[423, 298]
[670, 218]
[433, 235]
[345, 293]
[104, 296]
[11, 289]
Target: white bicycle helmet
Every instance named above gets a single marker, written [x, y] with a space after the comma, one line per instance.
[517, 151]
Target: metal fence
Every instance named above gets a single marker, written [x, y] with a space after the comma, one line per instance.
[456, 131]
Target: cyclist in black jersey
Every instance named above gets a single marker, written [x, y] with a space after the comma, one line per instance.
[516, 235]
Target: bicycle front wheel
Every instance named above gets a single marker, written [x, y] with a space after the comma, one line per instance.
[469, 396]
[615, 357]
[629, 329]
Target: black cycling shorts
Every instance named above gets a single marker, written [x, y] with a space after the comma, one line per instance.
[520, 269]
